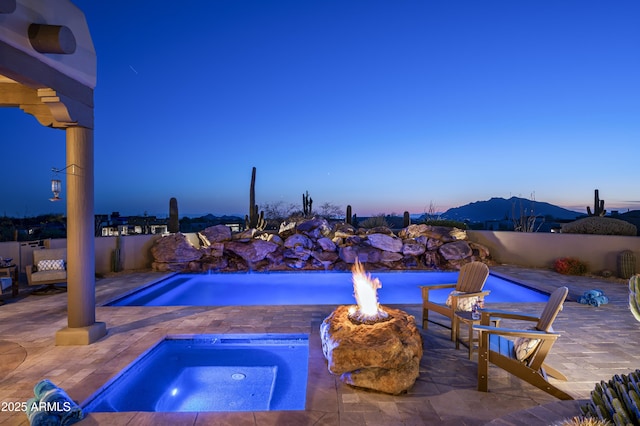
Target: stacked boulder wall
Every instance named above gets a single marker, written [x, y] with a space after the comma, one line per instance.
[384, 356]
[314, 244]
[174, 252]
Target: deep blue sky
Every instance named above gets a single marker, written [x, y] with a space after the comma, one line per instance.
[384, 105]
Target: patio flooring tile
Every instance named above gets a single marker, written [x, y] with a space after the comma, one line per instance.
[596, 343]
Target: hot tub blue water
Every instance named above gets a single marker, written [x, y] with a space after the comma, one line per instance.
[307, 288]
[229, 372]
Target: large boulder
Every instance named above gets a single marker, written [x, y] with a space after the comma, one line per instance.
[326, 244]
[253, 251]
[315, 228]
[442, 233]
[384, 356]
[216, 234]
[349, 254]
[456, 250]
[413, 248]
[298, 240]
[174, 248]
[385, 242]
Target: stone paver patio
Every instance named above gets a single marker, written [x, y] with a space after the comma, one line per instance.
[596, 343]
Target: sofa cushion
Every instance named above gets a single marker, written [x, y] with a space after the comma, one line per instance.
[59, 275]
[51, 265]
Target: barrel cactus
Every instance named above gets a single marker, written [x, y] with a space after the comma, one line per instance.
[634, 296]
[626, 264]
[616, 400]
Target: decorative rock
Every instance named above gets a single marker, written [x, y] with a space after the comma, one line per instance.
[214, 264]
[244, 235]
[297, 252]
[389, 257]
[432, 259]
[379, 230]
[286, 229]
[479, 251]
[353, 240]
[413, 248]
[252, 252]
[455, 250]
[296, 264]
[217, 233]
[384, 356]
[174, 248]
[326, 244]
[216, 249]
[315, 228]
[433, 244]
[413, 231]
[298, 240]
[274, 239]
[343, 230]
[325, 257]
[349, 254]
[385, 242]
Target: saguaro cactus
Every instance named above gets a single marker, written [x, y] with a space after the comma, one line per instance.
[348, 216]
[307, 202]
[598, 206]
[174, 221]
[406, 220]
[253, 219]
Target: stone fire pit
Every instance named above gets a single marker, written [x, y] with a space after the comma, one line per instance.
[381, 352]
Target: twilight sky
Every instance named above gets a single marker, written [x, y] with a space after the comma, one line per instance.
[385, 105]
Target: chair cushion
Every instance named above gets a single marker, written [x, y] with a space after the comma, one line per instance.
[51, 265]
[464, 304]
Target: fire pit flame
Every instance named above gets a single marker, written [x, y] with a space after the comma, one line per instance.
[365, 290]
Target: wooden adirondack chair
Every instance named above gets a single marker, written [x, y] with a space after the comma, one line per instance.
[471, 280]
[523, 357]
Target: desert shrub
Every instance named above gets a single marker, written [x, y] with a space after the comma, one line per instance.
[374, 222]
[599, 226]
[569, 266]
[446, 222]
[584, 421]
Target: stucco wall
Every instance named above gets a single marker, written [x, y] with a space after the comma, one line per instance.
[539, 250]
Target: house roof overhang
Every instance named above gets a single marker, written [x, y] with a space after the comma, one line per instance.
[47, 61]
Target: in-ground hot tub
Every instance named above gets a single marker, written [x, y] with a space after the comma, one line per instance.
[226, 372]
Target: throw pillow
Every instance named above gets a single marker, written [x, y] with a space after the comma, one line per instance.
[464, 304]
[524, 347]
[51, 265]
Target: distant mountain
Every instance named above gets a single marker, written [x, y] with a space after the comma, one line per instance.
[500, 208]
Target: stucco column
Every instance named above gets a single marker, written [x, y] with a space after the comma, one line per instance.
[82, 328]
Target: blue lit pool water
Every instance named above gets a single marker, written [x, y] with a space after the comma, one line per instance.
[229, 372]
[307, 288]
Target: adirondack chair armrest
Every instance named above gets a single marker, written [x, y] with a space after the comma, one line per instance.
[474, 294]
[437, 286]
[487, 313]
[516, 332]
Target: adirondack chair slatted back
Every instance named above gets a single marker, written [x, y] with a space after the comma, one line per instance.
[472, 277]
[552, 309]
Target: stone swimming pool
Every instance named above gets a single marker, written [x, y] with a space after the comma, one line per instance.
[306, 288]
